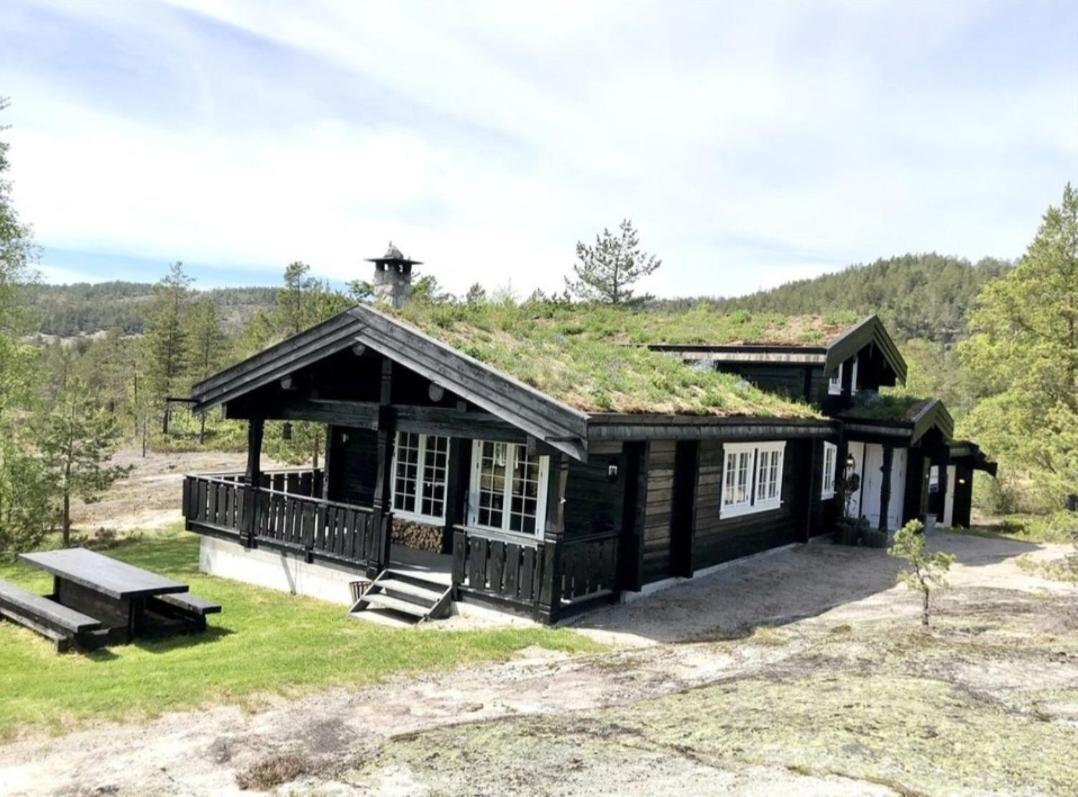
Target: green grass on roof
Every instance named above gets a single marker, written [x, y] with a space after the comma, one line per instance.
[886, 407]
[592, 358]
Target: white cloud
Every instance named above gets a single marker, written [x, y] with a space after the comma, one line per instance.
[751, 144]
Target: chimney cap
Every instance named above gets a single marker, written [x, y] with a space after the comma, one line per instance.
[393, 255]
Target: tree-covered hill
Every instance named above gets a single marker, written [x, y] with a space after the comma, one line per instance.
[84, 308]
[925, 296]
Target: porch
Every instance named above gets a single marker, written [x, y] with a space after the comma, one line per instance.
[542, 579]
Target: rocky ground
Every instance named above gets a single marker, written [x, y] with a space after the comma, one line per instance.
[747, 682]
[804, 671]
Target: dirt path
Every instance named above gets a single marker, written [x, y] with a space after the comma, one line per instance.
[546, 723]
[150, 497]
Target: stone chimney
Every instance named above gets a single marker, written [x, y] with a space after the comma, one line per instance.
[392, 277]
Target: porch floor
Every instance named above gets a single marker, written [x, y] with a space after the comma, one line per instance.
[433, 566]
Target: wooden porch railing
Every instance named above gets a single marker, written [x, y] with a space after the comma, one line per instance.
[315, 527]
[511, 569]
[298, 481]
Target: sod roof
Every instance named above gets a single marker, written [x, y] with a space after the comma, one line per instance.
[594, 358]
[888, 407]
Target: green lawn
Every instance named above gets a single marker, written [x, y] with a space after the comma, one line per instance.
[263, 642]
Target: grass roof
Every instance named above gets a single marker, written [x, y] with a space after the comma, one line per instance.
[886, 407]
[593, 358]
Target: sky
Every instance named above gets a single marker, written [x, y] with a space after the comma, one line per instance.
[750, 143]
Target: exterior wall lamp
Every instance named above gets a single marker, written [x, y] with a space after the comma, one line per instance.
[612, 471]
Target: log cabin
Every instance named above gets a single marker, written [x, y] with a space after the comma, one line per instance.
[543, 459]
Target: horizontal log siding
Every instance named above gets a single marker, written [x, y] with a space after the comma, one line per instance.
[720, 540]
[593, 503]
[353, 466]
[660, 494]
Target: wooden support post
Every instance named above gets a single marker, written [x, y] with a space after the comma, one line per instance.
[255, 428]
[456, 481]
[550, 591]
[885, 486]
[386, 434]
[815, 487]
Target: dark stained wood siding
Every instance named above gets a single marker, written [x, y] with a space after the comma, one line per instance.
[593, 503]
[720, 540]
[353, 464]
[660, 493]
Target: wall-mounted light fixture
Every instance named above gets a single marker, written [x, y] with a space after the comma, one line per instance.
[851, 463]
[612, 471]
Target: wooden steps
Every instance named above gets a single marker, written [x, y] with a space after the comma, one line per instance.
[404, 598]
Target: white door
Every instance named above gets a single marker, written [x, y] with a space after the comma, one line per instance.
[948, 498]
[857, 452]
[898, 489]
[871, 479]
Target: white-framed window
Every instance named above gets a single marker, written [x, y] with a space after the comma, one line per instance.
[508, 489]
[420, 470]
[834, 384]
[853, 377]
[751, 477]
[830, 457]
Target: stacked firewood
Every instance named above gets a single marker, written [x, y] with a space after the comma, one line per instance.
[417, 535]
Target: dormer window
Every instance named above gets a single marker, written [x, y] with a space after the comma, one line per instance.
[834, 384]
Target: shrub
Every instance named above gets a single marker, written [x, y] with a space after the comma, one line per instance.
[926, 571]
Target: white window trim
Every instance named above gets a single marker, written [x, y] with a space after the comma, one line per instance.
[853, 376]
[751, 506]
[507, 496]
[827, 489]
[421, 464]
[834, 383]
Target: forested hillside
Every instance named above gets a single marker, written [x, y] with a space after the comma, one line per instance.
[925, 296]
[68, 310]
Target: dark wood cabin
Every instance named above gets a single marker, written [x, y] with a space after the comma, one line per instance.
[528, 504]
[900, 449]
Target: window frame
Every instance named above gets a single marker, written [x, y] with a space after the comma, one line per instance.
[752, 503]
[414, 514]
[853, 375]
[834, 383]
[827, 488]
[512, 454]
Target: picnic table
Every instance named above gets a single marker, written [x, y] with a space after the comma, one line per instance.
[116, 593]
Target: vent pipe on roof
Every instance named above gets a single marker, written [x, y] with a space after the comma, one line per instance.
[392, 280]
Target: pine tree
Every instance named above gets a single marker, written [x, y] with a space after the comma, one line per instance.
[1024, 355]
[604, 272]
[165, 346]
[206, 346]
[77, 439]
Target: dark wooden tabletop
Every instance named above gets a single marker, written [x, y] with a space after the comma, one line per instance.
[102, 573]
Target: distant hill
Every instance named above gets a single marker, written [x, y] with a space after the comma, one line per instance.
[82, 308]
[925, 296]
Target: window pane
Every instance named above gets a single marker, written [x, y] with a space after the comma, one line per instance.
[404, 482]
[524, 491]
[435, 465]
[492, 467]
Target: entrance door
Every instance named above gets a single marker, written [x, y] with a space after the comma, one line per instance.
[948, 499]
[856, 451]
[898, 489]
[871, 480]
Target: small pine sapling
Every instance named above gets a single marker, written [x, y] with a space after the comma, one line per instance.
[926, 571]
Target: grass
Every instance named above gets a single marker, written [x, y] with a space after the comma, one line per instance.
[886, 407]
[1058, 527]
[594, 358]
[264, 642]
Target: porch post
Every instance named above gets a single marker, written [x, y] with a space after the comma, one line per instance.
[885, 486]
[386, 434]
[248, 525]
[455, 481]
[550, 591]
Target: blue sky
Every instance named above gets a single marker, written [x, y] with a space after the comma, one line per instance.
[751, 143]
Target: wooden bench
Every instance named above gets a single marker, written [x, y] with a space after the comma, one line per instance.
[60, 624]
[184, 606]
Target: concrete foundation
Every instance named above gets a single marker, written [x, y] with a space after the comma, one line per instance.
[276, 570]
